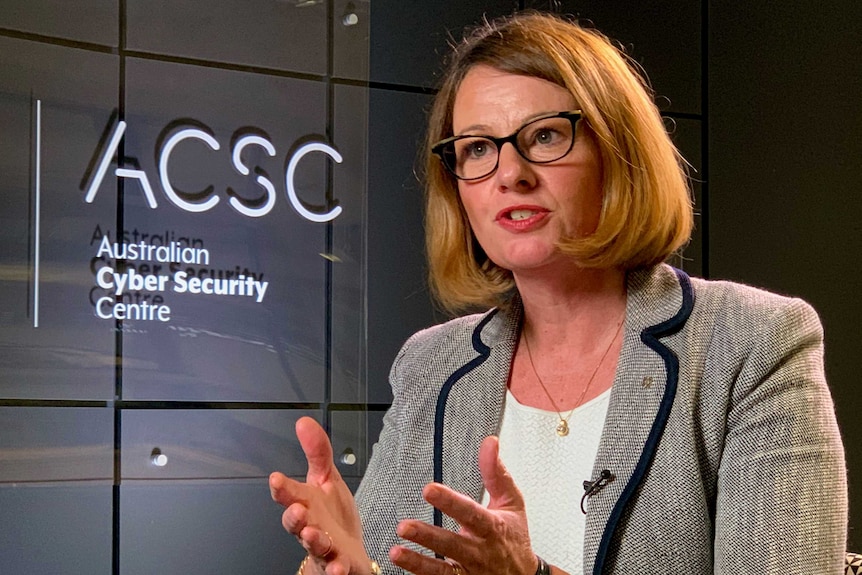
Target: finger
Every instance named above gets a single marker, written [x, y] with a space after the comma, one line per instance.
[469, 514]
[287, 491]
[295, 518]
[503, 492]
[441, 541]
[318, 451]
[318, 543]
[337, 568]
[417, 563]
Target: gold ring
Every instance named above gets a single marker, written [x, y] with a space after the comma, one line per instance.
[456, 567]
[328, 549]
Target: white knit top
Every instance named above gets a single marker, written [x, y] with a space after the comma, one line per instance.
[550, 471]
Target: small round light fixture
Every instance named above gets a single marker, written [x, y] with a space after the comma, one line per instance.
[158, 458]
[348, 457]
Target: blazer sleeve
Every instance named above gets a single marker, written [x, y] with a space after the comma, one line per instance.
[781, 502]
[384, 486]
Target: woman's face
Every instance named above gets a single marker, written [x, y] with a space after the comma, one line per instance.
[520, 212]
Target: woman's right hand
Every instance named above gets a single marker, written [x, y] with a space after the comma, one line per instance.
[321, 512]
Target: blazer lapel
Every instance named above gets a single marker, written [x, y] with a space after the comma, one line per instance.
[659, 302]
[470, 404]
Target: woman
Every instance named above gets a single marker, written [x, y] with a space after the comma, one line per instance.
[650, 423]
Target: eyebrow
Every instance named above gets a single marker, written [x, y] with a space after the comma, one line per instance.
[469, 130]
[476, 129]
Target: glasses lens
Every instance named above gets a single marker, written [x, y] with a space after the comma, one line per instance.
[471, 157]
[546, 139]
[540, 141]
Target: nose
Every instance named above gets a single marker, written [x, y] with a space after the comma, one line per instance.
[514, 172]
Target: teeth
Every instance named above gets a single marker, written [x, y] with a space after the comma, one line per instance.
[520, 214]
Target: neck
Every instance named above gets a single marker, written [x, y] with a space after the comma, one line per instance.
[571, 338]
[562, 306]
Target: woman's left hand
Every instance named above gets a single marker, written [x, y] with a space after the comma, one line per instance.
[493, 540]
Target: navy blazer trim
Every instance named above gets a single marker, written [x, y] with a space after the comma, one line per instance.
[650, 337]
[484, 352]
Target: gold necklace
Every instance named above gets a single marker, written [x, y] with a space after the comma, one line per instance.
[563, 426]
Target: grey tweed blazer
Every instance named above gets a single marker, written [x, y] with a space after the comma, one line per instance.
[720, 449]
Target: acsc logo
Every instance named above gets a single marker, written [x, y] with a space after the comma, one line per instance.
[191, 133]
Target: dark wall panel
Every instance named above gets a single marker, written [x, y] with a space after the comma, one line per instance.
[351, 26]
[211, 443]
[50, 347]
[349, 430]
[349, 245]
[185, 527]
[56, 528]
[42, 444]
[398, 298]
[286, 35]
[256, 347]
[95, 21]
[662, 37]
[687, 136]
[785, 201]
[56, 472]
[409, 39]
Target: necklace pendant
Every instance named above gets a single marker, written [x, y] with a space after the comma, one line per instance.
[563, 428]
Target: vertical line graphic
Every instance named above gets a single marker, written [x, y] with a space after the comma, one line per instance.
[38, 215]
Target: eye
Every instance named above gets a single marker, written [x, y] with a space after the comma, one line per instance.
[476, 148]
[546, 139]
[471, 149]
[545, 136]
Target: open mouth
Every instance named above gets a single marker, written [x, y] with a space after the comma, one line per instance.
[518, 215]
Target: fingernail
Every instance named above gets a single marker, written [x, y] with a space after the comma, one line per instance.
[432, 491]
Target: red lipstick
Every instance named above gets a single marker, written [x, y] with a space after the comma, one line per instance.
[521, 218]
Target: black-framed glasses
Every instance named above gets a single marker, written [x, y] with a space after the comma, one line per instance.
[539, 141]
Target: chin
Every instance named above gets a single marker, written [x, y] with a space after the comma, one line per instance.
[527, 266]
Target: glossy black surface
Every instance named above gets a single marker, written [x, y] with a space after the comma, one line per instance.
[409, 39]
[663, 38]
[56, 528]
[93, 21]
[40, 444]
[211, 443]
[288, 35]
[182, 527]
[223, 347]
[50, 345]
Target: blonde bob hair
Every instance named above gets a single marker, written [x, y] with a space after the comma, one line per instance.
[646, 210]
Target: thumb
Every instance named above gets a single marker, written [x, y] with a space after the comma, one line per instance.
[503, 492]
[318, 451]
